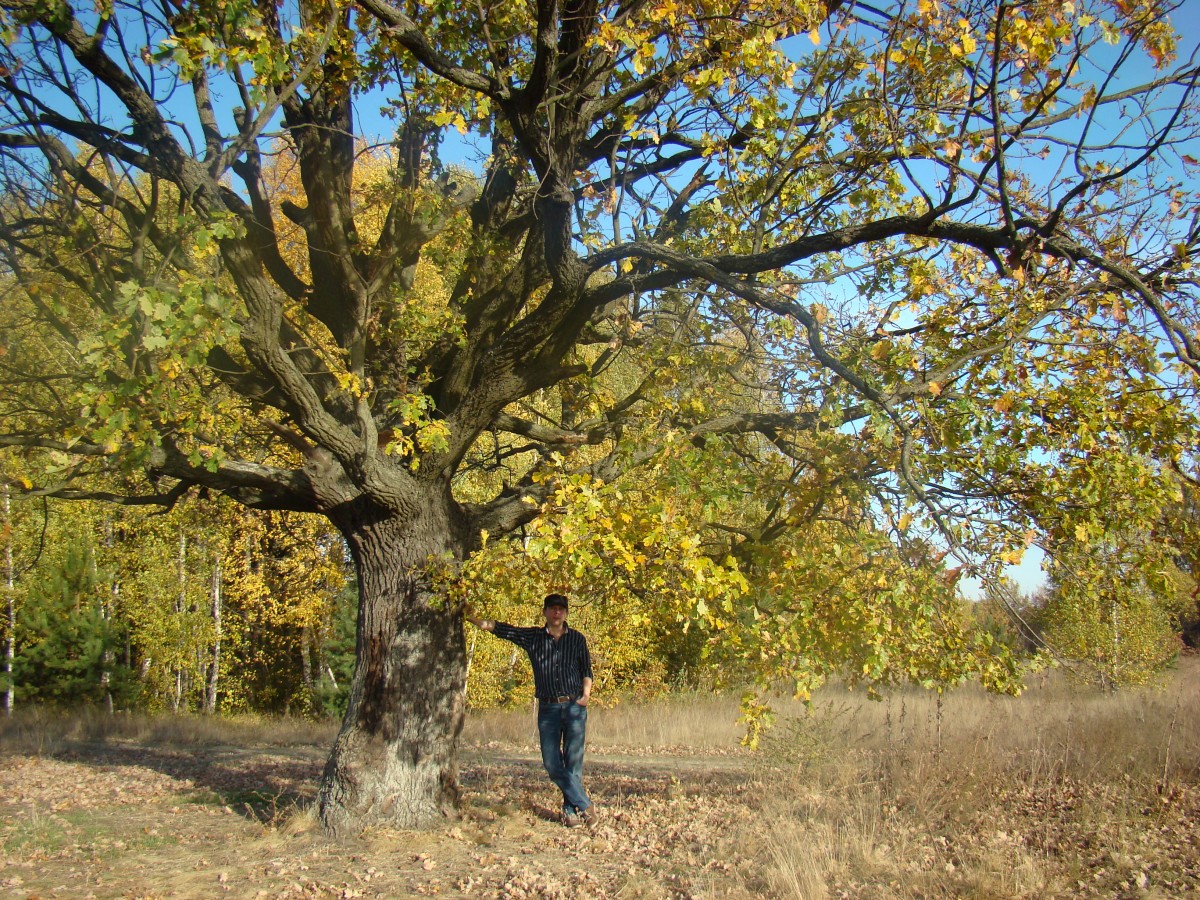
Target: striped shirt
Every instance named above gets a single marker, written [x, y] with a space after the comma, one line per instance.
[559, 666]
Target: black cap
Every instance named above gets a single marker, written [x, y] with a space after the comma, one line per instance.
[555, 600]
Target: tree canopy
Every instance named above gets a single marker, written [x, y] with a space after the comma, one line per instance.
[880, 282]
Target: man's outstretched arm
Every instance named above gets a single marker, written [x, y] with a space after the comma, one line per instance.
[474, 619]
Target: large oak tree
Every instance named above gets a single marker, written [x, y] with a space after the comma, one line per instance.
[941, 248]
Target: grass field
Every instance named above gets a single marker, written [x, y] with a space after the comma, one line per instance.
[1059, 793]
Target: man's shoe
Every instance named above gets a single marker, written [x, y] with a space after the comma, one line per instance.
[570, 818]
[591, 815]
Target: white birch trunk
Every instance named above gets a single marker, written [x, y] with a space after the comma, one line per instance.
[210, 705]
[306, 667]
[180, 607]
[10, 593]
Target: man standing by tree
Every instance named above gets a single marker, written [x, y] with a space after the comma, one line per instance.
[562, 680]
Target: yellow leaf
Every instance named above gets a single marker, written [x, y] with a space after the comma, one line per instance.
[815, 37]
[935, 388]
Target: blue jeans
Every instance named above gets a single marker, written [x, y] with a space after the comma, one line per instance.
[562, 728]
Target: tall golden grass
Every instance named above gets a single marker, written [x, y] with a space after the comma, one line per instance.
[977, 795]
[701, 722]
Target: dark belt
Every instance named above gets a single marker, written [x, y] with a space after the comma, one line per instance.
[561, 698]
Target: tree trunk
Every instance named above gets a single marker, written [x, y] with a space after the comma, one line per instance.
[180, 606]
[215, 603]
[394, 761]
[306, 668]
[10, 593]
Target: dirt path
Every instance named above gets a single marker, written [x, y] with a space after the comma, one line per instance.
[123, 820]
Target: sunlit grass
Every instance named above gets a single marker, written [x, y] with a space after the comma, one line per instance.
[44, 731]
[916, 795]
[968, 794]
[977, 795]
[700, 722]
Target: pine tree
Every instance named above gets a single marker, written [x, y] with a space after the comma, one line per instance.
[68, 641]
[335, 655]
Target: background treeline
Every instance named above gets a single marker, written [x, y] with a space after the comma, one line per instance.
[1115, 612]
[203, 608]
[211, 607]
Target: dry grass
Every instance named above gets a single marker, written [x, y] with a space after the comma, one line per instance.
[692, 722]
[45, 732]
[1059, 793]
[1062, 792]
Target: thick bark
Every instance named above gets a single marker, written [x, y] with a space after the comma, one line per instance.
[394, 761]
